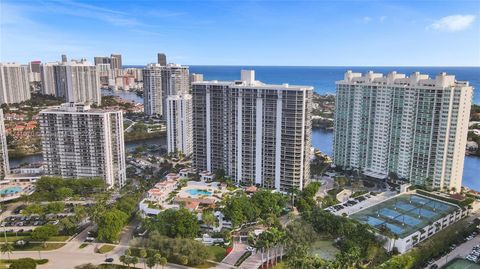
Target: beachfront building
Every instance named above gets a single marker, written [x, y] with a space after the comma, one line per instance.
[161, 81]
[179, 124]
[414, 127]
[77, 81]
[14, 83]
[256, 133]
[79, 141]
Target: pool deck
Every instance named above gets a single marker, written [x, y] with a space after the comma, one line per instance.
[213, 188]
[20, 189]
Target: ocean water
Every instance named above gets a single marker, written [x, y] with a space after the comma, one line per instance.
[323, 78]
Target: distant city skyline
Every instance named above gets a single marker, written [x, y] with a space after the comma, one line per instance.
[286, 33]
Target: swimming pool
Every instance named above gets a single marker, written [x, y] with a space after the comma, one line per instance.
[10, 190]
[198, 192]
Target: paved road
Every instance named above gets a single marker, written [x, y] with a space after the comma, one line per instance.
[237, 252]
[72, 255]
[327, 184]
[461, 251]
[464, 249]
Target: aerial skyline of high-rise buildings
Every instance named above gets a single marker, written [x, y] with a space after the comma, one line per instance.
[166, 89]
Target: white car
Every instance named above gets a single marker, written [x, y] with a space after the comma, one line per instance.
[251, 249]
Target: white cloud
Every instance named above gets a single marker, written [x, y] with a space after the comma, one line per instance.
[382, 18]
[453, 23]
[366, 19]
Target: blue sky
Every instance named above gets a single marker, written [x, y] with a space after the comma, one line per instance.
[318, 33]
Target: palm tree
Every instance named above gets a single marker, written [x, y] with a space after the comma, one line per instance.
[184, 260]
[157, 257]
[123, 259]
[163, 262]
[151, 262]
[143, 255]
[134, 260]
[7, 248]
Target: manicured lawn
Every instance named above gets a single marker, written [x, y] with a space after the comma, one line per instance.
[40, 247]
[324, 249]
[280, 265]
[206, 265]
[83, 245]
[13, 238]
[105, 249]
[216, 253]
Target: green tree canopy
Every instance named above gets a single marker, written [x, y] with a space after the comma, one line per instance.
[43, 233]
[176, 223]
[110, 225]
[24, 263]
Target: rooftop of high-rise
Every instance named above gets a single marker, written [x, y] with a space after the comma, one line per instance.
[398, 79]
[247, 80]
[77, 108]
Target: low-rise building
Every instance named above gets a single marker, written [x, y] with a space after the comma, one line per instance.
[405, 220]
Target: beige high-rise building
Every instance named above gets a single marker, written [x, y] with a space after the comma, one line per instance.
[79, 141]
[257, 133]
[159, 82]
[196, 77]
[78, 82]
[414, 127]
[179, 124]
[4, 164]
[14, 83]
[116, 61]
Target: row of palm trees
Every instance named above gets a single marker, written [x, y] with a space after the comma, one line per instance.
[271, 244]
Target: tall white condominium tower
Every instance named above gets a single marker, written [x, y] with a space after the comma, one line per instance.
[179, 123]
[78, 82]
[257, 133]
[414, 127]
[14, 83]
[79, 141]
[161, 81]
[4, 165]
[47, 74]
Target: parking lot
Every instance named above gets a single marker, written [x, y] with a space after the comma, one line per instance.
[16, 221]
[474, 255]
[471, 247]
[25, 221]
[355, 204]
